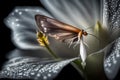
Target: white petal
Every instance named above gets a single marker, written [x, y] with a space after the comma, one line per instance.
[31, 53]
[112, 60]
[33, 68]
[83, 52]
[22, 23]
[111, 15]
[75, 12]
[60, 49]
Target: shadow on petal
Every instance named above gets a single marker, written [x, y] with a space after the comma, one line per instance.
[94, 67]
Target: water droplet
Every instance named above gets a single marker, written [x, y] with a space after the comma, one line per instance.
[20, 74]
[37, 10]
[38, 75]
[8, 68]
[13, 23]
[50, 71]
[32, 73]
[49, 75]
[20, 13]
[114, 61]
[117, 55]
[109, 64]
[16, 10]
[105, 65]
[44, 77]
[18, 25]
[108, 70]
[26, 10]
[16, 19]
[12, 13]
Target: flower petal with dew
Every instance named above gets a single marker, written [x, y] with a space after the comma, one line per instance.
[33, 68]
[112, 21]
[112, 59]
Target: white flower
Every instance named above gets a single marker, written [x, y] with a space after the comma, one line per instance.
[79, 13]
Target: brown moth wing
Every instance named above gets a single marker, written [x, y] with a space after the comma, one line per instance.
[55, 28]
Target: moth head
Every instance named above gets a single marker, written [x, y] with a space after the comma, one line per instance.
[85, 33]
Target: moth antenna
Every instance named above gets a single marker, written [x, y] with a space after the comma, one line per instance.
[70, 43]
[86, 44]
[88, 28]
[77, 43]
[95, 37]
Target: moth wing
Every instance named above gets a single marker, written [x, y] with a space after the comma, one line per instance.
[54, 28]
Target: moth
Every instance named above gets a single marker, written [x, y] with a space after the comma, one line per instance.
[64, 33]
[59, 30]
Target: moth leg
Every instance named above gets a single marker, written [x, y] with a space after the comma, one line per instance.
[78, 42]
[71, 41]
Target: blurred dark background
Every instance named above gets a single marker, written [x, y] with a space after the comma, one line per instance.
[6, 6]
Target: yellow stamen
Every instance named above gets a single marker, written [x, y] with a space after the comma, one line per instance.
[42, 39]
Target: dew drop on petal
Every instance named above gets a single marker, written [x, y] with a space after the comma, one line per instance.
[49, 75]
[20, 13]
[16, 10]
[117, 55]
[26, 10]
[109, 64]
[114, 61]
[13, 23]
[20, 74]
[16, 19]
[38, 75]
[12, 13]
[33, 68]
[44, 77]
[37, 10]
[17, 25]
[32, 73]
